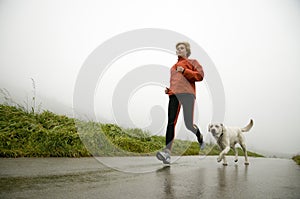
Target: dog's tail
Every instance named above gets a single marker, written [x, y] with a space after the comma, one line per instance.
[248, 127]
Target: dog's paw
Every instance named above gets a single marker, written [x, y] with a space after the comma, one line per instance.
[246, 163]
[225, 164]
[236, 160]
[219, 159]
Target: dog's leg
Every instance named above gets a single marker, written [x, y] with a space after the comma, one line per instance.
[223, 153]
[224, 161]
[236, 154]
[243, 145]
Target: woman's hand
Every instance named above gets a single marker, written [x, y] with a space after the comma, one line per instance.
[167, 90]
[180, 69]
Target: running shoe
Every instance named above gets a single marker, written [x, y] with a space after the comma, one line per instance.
[164, 156]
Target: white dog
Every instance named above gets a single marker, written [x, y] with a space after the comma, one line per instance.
[228, 137]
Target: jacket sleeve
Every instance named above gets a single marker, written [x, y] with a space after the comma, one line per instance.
[196, 74]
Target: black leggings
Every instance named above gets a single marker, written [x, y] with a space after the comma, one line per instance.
[175, 101]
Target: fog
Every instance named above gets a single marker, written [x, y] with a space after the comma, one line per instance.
[254, 46]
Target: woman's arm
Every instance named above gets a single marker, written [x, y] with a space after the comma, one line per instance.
[197, 74]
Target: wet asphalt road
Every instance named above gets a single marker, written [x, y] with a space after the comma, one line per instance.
[146, 177]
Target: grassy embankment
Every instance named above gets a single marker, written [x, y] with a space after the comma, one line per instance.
[30, 134]
[296, 158]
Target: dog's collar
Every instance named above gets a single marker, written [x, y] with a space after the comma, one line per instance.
[222, 133]
[220, 137]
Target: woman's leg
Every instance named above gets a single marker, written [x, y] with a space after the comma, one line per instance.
[173, 112]
[188, 101]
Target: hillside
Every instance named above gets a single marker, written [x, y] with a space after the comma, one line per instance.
[30, 134]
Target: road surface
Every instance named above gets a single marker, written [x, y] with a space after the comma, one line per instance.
[146, 177]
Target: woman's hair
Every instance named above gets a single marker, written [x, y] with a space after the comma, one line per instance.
[187, 46]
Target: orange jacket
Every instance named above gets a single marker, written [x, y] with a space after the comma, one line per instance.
[185, 82]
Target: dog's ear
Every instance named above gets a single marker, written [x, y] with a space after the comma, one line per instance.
[222, 126]
[209, 127]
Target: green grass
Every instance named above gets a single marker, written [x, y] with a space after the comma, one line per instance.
[296, 158]
[26, 134]
[32, 134]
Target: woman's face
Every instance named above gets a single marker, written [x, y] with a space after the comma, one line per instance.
[181, 50]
